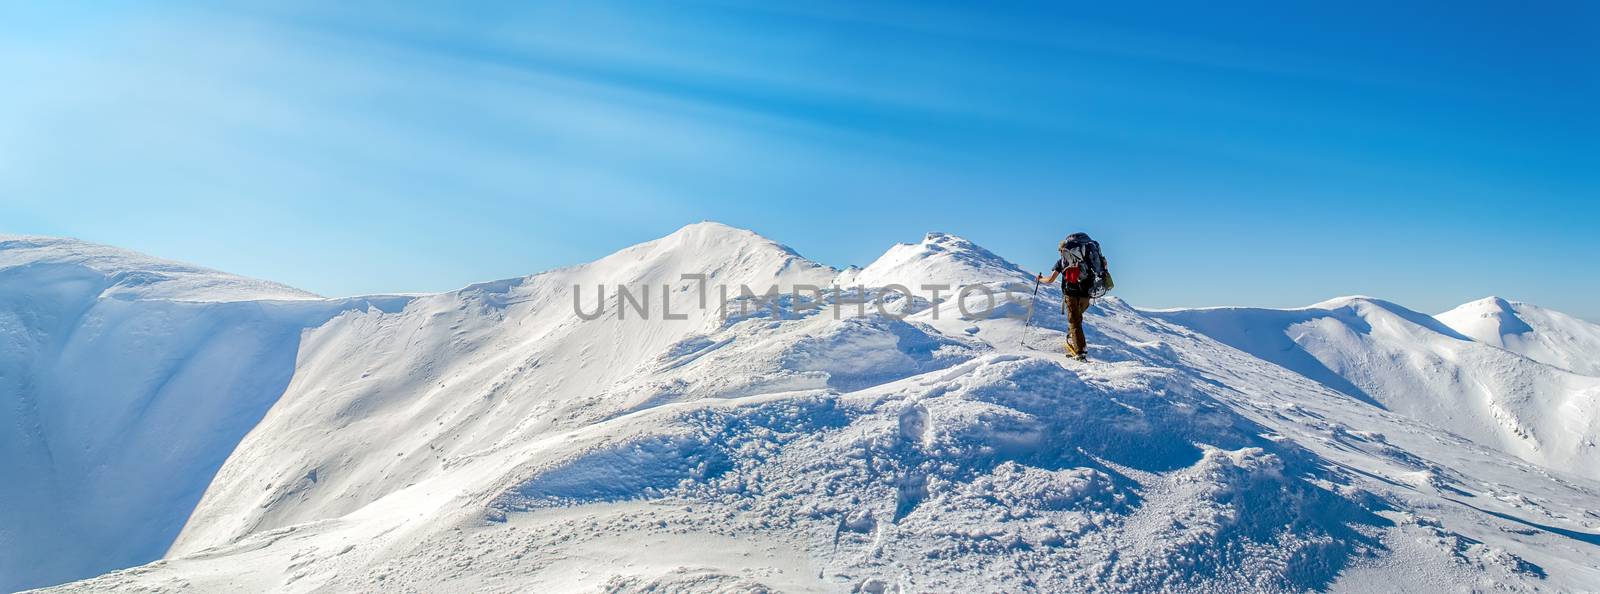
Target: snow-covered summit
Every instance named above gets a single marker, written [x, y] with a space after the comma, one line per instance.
[709, 233]
[706, 235]
[1365, 307]
[726, 254]
[940, 258]
[125, 274]
[1544, 335]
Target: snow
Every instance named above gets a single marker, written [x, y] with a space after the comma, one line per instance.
[1412, 363]
[1544, 335]
[489, 439]
[130, 275]
[125, 382]
[940, 258]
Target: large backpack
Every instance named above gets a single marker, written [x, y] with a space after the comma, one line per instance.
[1080, 256]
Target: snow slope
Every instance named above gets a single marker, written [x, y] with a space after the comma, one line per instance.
[134, 276]
[940, 258]
[490, 439]
[1413, 364]
[385, 400]
[1546, 336]
[125, 382]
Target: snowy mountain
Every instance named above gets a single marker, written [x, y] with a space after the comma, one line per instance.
[1546, 336]
[125, 381]
[940, 258]
[532, 435]
[1413, 364]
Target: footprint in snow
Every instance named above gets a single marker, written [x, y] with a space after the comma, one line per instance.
[915, 424]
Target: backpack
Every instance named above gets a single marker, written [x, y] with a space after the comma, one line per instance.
[1084, 265]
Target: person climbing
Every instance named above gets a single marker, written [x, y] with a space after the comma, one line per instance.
[1084, 276]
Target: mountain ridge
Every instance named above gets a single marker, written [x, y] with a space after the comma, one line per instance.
[1406, 361]
[132, 275]
[863, 445]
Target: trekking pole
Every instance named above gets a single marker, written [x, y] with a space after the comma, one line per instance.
[1027, 325]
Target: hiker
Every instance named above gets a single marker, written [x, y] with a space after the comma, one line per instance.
[1084, 276]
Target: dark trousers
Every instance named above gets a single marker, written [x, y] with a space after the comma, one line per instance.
[1075, 308]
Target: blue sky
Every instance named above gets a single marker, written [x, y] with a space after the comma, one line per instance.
[1266, 153]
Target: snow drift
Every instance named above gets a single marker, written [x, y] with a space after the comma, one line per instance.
[492, 439]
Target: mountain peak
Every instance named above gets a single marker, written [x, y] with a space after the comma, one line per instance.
[1365, 307]
[709, 228]
[1348, 301]
[1489, 320]
[940, 258]
[1544, 335]
[728, 254]
[1492, 302]
[712, 233]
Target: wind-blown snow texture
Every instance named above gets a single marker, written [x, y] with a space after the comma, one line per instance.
[489, 439]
